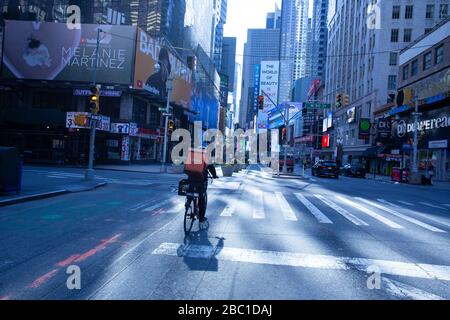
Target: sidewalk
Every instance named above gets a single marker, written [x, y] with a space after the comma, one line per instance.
[35, 187]
[437, 185]
[141, 168]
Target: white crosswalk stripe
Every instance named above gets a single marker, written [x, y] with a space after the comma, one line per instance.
[416, 213]
[313, 209]
[402, 216]
[431, 205]
[388, 203]
[406, 203]
[258, 205]
[288, 213]
[156, 206]
[347, 215]
[371, 213]
[302, 260]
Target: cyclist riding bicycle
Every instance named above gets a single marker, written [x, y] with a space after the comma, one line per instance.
[197, 170]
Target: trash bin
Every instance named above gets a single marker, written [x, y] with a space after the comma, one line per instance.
[396, 175]
[10, 170]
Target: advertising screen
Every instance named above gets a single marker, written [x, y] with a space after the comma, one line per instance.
[51, 51]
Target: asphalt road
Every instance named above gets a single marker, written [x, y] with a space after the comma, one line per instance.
[268, 239]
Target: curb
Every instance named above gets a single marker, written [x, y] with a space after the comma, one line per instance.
[47, 195]
[133, 171]
[297, 177]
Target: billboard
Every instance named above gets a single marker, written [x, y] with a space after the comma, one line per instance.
[50, 51]
[268, 88]
[149, 52]
[256, 87]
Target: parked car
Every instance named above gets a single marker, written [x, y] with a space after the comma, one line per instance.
[353, 170]
[289, 162]
[326, 168]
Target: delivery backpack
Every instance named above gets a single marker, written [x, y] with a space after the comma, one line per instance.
[195, 166]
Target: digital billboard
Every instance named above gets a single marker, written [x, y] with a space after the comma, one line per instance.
[53, 52]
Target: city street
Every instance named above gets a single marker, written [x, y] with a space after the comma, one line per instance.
[268, 238]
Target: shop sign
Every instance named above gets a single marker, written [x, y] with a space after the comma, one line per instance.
[125, 151]
[404, 127]
[123, 128]
[133, 129]
[364, 129]
[103, 93]
[81, 120]
[438, 144]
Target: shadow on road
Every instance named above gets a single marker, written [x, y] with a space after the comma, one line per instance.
[199, 253]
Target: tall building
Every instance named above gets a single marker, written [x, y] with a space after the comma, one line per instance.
[363, 48]
[220, 18]
[228, 63]
[319, 38]
[293, 45]
[262, 45]
[273, 20]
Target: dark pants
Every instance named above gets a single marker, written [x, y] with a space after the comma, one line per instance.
[202, 206]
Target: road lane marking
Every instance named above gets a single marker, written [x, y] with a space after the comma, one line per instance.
[57, 177]
[156, 206]
[423, 215]
[43, 279]
[371, 213]
[432, 205]
[265, 257]
[406, 203]
[405, 291]
[228, 211]
[389, 203]
[258, 205]
[347, 215]
[402, 216]
[313, 209]
[288, 213]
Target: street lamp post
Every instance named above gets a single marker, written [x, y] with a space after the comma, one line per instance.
[89, 174]
[167, 114]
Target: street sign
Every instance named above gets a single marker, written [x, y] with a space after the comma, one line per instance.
[316, 105]
[167, 114]
[162, 109]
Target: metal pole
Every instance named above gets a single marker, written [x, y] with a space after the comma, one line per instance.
[416, 120]
[166, 125]
[287, 138]
[89, 174]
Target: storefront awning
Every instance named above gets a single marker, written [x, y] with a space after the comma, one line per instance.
[373, 152]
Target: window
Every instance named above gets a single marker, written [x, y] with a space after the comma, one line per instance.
[393, 58]
[407, 35]
[405, 73]
[429, 13]
[396, 12]
[394, 35]
[443, 11]
[392, 82]
[414, 68]
[439, 54]
[409, 12]
[428, 30]
[427, 61]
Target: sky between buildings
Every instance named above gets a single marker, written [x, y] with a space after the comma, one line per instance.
[248, 14]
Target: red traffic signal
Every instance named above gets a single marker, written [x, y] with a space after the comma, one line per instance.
[261, 102]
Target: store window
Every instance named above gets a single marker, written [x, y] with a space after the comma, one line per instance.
[439, 54]
[414, 68]
[139, 111]
[427, 61]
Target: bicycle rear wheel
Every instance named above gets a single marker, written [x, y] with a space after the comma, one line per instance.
[189, 217]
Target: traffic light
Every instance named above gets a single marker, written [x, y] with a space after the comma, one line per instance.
[94, 99]
[261, 102]
[339, 100]
[346, 100]
[283, 135]
[171, 125]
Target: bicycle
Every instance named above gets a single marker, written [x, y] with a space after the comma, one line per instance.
[192, 191]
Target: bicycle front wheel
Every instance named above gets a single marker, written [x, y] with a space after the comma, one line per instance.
[189, 217]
